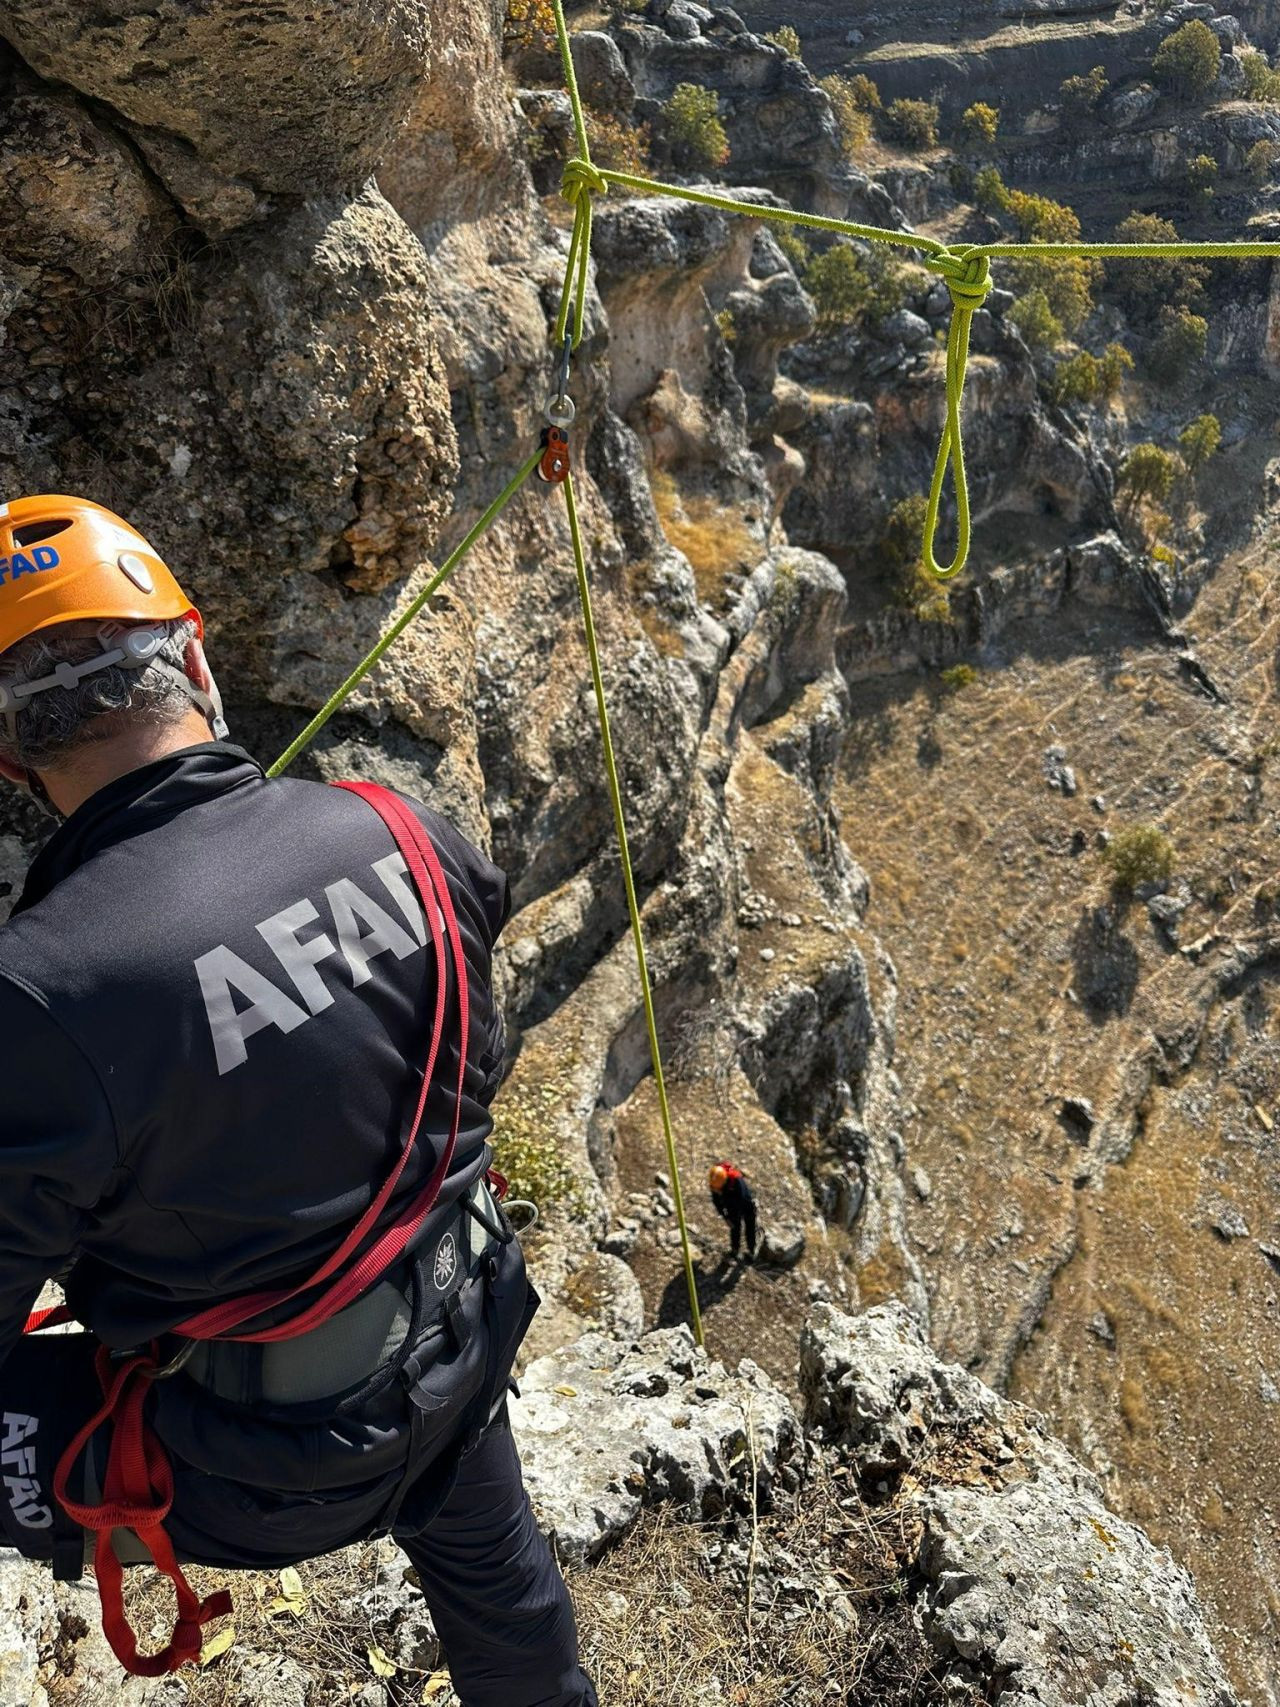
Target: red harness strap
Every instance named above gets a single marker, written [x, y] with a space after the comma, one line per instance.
[138, 1484]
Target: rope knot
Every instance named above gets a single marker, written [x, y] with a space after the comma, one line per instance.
[581, 178]
[968, 277]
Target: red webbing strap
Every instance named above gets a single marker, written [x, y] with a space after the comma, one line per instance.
[433, 890]
[54, 1317]
[137, 1495]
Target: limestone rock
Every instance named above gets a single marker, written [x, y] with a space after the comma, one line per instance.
[603, 78]
[605, 1428]
[1028, 1578]
[1041, 1585]
[285, 98]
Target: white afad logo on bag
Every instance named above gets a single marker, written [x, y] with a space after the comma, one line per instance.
[18, 1467]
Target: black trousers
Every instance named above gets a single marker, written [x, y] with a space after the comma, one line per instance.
[740, 1219]
[496, 1597]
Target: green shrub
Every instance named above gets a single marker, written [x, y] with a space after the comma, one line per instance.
[1140, 854]
[1201, 176]
[979, 123]
[852, 115]
[837, 281]
[727, 325]
[1260, 161]
[1067, 285]
[1116, 364]
[1179, 344]
[989, 192]
[1037, 322]
[1149, 472]
[795, 248]
[1261, 83]
[958, 677]
[694, 126]
[865, 92]
[787, 38]
[1080, 95]
[913, 124]
[1146, 286]
[1086, 378]
[1187, 63]
[887, 282]
[1040, 219]
[1199, 441]
[617, 144]
[901, 539]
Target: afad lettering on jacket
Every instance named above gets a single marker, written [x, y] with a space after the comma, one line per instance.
[28, 563]
[18, 1469]
[240, 1001]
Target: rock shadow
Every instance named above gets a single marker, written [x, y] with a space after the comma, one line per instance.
[1106, 963]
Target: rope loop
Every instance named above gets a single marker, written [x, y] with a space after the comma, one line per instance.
[968, 279]
[581, 178]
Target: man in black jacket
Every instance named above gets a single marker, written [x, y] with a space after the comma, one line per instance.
[734, 1203]
[216, 993]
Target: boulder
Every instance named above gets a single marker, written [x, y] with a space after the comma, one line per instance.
[287, 99]
[1027, 1580]
[606, 1427]
[603, 79]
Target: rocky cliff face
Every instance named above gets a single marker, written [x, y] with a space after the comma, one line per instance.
[295, 324]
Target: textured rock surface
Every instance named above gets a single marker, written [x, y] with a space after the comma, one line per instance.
[1028, 1578]
[605, 1428]
[280, 98]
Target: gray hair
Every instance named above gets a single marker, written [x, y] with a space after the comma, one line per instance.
[51, 726]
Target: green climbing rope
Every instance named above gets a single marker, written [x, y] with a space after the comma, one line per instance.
[338, 698]
[633, 905]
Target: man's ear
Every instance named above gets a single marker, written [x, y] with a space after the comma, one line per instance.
[14, 774]
[197, 665]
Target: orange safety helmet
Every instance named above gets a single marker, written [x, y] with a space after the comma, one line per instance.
[718, 1177]
[66, 559]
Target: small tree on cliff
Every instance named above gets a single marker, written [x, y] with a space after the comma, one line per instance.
[1080, 95]
[1199, 441]
[979, 123]
[1187, 62]
[1144, 287]
[1149, 472]
[693, 124]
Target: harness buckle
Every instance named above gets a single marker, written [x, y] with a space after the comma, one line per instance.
[158, 1371]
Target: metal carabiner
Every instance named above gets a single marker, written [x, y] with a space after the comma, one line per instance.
[559, 410]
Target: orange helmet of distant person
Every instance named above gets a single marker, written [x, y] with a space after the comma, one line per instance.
[66, 560]
[718, 1178]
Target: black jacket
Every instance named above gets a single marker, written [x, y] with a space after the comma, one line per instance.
[215, 1003]
[733, 1199]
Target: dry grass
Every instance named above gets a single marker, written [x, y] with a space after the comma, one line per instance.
[335, 1636]
[716, 541]
[667, 1622]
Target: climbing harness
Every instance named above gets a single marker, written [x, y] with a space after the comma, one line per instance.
[138, 1486]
